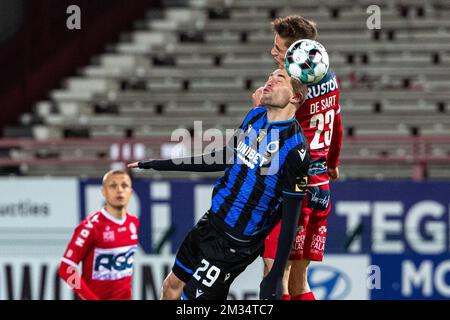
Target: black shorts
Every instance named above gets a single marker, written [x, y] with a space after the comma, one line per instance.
[208, 261]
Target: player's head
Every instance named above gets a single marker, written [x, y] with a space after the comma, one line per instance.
[281, 90]
[288, 30]
[117, 188]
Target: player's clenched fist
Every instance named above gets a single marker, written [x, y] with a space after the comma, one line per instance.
[148, 164]
[333, 173]
[133, 165]
[256, 96]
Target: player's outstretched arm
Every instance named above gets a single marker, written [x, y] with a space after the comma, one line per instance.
[271, 285]
[212, 162]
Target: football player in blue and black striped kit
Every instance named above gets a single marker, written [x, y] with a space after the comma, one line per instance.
[265, 163]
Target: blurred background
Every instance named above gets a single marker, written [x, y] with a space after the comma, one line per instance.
[88, 88]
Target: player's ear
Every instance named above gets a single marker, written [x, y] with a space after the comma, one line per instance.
[296, 98]
[300, 92]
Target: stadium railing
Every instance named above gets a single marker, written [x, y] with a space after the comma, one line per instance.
[417, 152]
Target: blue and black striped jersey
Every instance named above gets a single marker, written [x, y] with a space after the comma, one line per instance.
[270, 161]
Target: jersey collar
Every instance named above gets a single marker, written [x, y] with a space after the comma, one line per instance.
[108, 216]
[279, 123]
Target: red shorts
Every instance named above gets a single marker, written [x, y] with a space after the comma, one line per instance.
[312, 227]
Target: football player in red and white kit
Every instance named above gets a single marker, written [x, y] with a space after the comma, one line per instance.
[105, 242]
[320, 120]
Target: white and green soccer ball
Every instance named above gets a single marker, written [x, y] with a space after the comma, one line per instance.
[307, 61]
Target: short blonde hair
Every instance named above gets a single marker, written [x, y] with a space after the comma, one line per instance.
[113, 172]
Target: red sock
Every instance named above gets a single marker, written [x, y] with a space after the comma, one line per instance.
[285, 297]
[304, 296]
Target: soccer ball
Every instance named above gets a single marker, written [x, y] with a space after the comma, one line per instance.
[307, 61]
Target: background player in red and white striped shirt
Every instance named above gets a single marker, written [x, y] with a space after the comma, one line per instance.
[105, 242]
[320, 119]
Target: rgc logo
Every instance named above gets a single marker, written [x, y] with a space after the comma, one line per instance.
[113, 264]
[329, 283]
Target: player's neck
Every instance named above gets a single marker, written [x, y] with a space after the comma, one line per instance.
[117, 213]
[280, 114]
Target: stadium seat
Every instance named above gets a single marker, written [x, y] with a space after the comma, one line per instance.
[202, 60]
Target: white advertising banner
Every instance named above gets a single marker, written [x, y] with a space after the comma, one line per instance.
[339, 277]
[39, 203]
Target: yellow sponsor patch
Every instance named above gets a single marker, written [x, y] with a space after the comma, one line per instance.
[302, 186]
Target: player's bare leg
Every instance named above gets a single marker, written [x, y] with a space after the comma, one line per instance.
[298, 280]
[268, 263]
[172, 287]
[285, 282]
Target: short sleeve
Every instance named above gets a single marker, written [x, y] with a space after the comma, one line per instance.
[295, 173]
